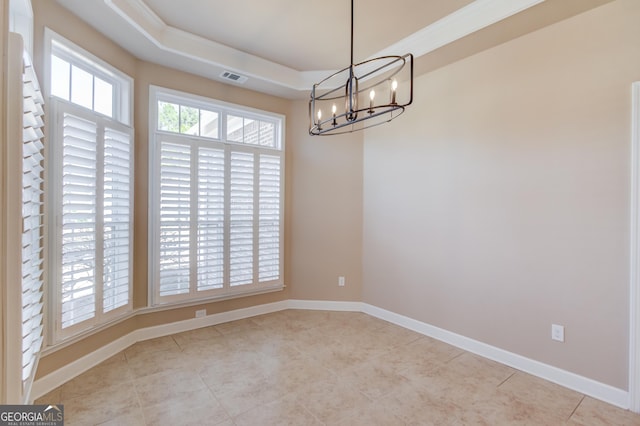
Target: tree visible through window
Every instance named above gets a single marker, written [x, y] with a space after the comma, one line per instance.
[217, 184]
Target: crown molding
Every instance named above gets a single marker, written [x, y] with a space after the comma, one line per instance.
[467, 20]
[192, 46]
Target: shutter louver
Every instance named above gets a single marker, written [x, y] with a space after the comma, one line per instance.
[78, 244]
[175, 226]
[117, 219]
[210, 219]
[33, 222]
[269, 222]
[241, 218]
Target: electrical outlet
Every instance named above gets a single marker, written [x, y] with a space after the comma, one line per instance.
[557, 332]
[201, 313]
[341, 281]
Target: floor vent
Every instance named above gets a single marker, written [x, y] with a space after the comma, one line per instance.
[236, 78]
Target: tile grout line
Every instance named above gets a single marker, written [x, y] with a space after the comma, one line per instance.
[176, 342]
[135, 389]
[576, 407]
[455, 357]
[213, 394]
[510, 376]
[310, 413]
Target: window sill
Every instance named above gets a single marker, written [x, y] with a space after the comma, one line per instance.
[161, 306]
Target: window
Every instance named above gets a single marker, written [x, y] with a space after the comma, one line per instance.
[216, 213]
[87, 83]
[91, 189]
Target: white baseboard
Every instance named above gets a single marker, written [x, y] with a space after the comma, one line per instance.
[325, 305]
[601, 391]
[584, 385]
[46, 384]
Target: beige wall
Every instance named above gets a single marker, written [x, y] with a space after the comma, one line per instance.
[499, 204]
[326, 196]
[323, 195]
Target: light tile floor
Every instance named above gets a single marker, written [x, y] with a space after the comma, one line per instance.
[313, 368]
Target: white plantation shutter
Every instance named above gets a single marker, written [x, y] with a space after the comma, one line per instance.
[79, 221]
[269, 218]
[22, 250]
[211, 173]
[117, 219]
[33, 223]
[216, 215]
[92, 160]
[241, 218]
[89, 198]
[175, 218]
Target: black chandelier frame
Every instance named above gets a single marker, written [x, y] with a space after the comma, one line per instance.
[374, 73]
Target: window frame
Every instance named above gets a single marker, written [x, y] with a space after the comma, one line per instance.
[161, 94]
[121, 122]
[69, 51]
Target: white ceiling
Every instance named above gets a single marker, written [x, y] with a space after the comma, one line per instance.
[284, 46]
[303, 35]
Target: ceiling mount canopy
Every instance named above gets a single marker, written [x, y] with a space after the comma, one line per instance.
[361, 95]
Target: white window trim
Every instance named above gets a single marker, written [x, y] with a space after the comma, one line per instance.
[70, 51]
[123, 118]
[634, 273]
[5, 366]
[156, 94]
[187, 99]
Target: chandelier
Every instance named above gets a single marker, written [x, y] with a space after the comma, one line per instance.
[361, 95]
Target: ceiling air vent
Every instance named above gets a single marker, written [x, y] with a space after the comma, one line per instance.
[237, 78]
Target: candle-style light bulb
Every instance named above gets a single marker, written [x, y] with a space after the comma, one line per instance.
[319, 118]
[394, 86]
[372, 95]
[333, 111]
